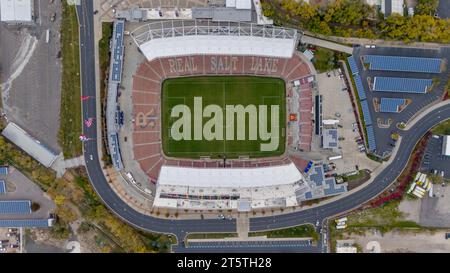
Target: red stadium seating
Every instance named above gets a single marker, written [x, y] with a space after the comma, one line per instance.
[146, 105]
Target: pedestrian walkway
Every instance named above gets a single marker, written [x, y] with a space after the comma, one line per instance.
[242, 226]
[61, 165]
[326, 44]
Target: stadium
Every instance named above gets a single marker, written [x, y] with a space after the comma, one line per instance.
[199, 103]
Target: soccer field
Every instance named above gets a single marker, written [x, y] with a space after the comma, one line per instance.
[223, 91]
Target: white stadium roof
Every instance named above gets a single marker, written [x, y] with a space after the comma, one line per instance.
[15, 10]
[229, 178]
[176, 38]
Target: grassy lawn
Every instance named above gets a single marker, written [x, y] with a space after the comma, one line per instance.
[210, 235]
[385, 218]
[222, 91]
[442, 129]
[70, 124]
[293, 232]
[324, 60]
[359, 175]
[104, 60]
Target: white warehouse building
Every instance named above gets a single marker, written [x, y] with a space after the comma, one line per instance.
[16, 11]
[446, 145]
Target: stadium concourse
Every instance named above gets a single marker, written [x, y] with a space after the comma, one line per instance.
[243, 183]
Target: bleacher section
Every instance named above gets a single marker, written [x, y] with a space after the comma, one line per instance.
[403, 64]
[353, 66]
[15, 207]
[391, 105]
[241, 189]
[146, 105]
[401, 85]
[182, 38]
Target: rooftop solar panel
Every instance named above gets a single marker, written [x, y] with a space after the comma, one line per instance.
[366, 112]
[3, 170]
[371, 138]
[360, 88]
[15, 207]
[117, 51]
[401, 85]
[25, 223]
[2, 187]
[352, 64]
[404, 64]
[333, 188]
[390, 105]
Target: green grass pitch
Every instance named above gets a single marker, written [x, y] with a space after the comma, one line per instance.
[221, 90]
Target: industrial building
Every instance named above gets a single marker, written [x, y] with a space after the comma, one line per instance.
[446, 145]
[16, 11]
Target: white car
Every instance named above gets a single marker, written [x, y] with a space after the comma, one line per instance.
[91, 157]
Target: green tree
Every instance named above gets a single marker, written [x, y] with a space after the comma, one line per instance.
[427, 7]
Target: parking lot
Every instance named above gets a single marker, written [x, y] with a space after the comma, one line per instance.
[418, 101]
[10, 240]
[31, 73]
[19, 187]
[433, 161]
[336, 105]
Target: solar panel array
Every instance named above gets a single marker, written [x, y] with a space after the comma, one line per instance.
[364, 105]
[117, 160]
[390, 105]
[366, 113]
[371, 138]
[2, 187]
[3, 170]
[333, 188]
[401, 85]
[360, 87]
[119, 27]
[15, 207]
[352, 64]
[404, 64]
[25, 223]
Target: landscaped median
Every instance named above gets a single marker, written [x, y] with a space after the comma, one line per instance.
[70, 117]
[303, 231]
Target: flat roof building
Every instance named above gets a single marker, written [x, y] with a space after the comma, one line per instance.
[16, 11]
[446, 145]
[29, 144]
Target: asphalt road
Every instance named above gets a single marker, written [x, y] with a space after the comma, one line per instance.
[181, 227]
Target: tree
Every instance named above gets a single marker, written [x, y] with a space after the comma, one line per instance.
[426, 7]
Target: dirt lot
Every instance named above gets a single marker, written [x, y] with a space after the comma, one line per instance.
[402, 241]
[429, 211]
